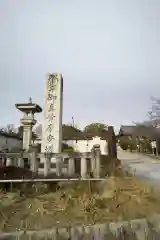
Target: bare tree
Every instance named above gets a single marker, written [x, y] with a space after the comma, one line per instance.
[154, 113]
[10, 128]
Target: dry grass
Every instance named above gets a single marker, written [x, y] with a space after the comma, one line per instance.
[119, 197]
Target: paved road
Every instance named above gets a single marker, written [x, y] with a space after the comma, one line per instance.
[146, 167]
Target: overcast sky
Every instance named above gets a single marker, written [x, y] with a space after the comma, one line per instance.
[108, 52]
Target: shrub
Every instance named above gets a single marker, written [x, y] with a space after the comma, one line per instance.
[124, 145]
[67, 148]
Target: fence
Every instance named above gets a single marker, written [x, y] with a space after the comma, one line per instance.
[62, 164]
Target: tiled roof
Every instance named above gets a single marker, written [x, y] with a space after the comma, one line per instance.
[126, 130]
[149, 132]
[71, 133]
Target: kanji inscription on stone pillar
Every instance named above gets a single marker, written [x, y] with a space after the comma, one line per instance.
[52, 123]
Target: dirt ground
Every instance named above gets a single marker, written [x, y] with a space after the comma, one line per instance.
[117, 198]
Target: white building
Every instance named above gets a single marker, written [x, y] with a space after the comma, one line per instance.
[9, 141]
[77, 141]
[84, 145]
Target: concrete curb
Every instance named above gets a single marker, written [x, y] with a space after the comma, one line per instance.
[151, 156]
[139, 229]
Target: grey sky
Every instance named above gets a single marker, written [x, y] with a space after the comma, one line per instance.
[107, 50]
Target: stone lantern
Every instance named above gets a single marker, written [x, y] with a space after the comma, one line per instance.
[28, 121]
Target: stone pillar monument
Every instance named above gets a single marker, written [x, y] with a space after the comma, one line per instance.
[52, 124]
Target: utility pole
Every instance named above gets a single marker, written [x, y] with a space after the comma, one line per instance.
[72, 121]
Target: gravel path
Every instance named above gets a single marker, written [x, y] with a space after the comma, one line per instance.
[146, 167]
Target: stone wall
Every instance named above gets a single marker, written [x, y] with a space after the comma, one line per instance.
[140, 229]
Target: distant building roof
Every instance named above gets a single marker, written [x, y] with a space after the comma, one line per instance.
[71, 133]
[10, 135]
[149, 132]
[126, 130]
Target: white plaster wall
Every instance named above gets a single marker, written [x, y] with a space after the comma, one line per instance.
[86, 145]
[7, 142]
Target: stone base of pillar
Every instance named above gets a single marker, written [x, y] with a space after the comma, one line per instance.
[83, 167]
[21, 162]
[98, 166]
[47, 164]
[59, 166]
[34, 165]
[96, 161]
[93, 164]
[71, 167]
[9, 162]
